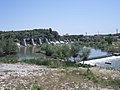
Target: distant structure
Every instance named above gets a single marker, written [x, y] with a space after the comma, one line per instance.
[117, 31]
[86, 33]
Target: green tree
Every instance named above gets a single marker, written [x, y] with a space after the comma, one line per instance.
[65, 51]
[9, 46]
[85, 52]
[75, 48]
[1, 48]
[109, 39]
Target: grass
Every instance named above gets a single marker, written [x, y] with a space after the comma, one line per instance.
[53, 63]
[36, 87]
[114, 82]
[4, 60]
[49, 62]
[87, 74]
[73, 74]
[7, 89]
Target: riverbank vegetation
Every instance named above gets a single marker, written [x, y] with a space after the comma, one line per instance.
[111, 48]
[8, 46]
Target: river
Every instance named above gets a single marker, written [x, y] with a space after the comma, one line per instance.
[24, 53]
[29, 53]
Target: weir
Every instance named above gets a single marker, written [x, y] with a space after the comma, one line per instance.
[32, 41]
[35, 41]
[46, 40]
[40, 41]
[24, 42]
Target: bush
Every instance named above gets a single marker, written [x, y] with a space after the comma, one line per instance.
[4, 60]
[56, 51]
[115, 82]
[36, 87]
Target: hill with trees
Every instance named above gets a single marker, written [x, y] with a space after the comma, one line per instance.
[35, 33]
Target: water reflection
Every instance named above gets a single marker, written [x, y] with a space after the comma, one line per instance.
[27, 53]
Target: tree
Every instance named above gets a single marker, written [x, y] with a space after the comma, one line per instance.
[50, 30]
[1, 48]
[9, 46]
[65, 50]
[109, 39]
[75, 48]
[85, 54]
[35, 33]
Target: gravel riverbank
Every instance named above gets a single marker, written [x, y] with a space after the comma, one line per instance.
[23, 76]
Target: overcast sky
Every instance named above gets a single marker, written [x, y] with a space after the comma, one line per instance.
[64, 16]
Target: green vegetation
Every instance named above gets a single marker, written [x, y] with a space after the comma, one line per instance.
[109, 40]
[53, 63]
[61, 52]
[7, 46]
[114, 82]
[49, 62]
[54, 55]
[7, 89]
[96, 79]
[9, 60]
[85, 52]
[103, 45]
[19, 35]
[75, 48]
[36, 87]
[86, 74]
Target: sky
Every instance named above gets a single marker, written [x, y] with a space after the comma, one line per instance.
[64, 16]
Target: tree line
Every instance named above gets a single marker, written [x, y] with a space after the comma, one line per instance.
[35, 33]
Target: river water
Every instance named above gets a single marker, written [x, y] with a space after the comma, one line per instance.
[29, 53]
[112, 62]
[24, 53]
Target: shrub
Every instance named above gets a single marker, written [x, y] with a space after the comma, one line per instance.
[36, 87]
[115, 82]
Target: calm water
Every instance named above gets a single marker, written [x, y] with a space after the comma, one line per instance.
[27, 53]
[24, 53]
